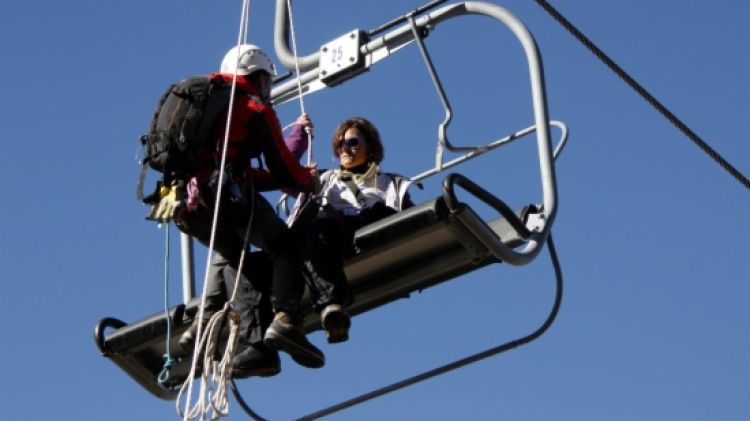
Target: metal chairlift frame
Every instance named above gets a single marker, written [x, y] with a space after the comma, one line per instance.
[317, 75]
[444, 236]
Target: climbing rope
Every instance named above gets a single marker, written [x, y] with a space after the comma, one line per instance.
[299, 81]
[208, 402]
[169, 362]
[216, 376]
[643, 93]
[212, 400]
[211, 403]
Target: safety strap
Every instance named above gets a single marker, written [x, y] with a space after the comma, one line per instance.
[141, 179]
[348, 179]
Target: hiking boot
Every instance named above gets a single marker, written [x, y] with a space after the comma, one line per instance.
[336, 323]
[256, 360]
[285, 334]
[187, 340]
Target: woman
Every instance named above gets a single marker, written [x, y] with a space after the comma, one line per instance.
[354, 195]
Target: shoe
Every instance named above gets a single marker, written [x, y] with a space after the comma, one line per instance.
[187, 339]
[285, 334]
[336, 323]
[256, 360]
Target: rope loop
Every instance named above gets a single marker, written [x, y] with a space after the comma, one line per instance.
[166, 371]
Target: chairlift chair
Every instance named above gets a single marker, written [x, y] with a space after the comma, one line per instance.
[427, 244]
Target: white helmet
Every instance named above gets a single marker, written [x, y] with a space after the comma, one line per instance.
[249, 59]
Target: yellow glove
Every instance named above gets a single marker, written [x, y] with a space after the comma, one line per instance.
[169, 204]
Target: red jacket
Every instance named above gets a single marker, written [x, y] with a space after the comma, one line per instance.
[254, 132]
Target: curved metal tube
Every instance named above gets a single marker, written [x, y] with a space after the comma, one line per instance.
[281, 42]
[544, 146]
[449, 195]
[479, 228]
[99, 332]
[481, 150]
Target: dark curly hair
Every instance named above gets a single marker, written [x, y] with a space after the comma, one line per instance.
[368, 131]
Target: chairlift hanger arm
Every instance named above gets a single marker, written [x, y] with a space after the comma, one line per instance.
[405, 34]
[393, 22]
[308, 62]
[310, 65]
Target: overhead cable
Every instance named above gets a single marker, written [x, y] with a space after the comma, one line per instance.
[643, 93]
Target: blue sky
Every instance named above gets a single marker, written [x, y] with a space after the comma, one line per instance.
[651, 233]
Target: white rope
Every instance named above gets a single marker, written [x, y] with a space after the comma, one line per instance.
[299, 81]
[218, 408]
[216, 376]
[212, 403]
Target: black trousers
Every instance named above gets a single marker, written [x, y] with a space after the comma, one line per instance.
[253, 296]
[324, 242]
[268, 233]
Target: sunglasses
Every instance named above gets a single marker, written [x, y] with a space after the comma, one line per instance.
[351, 142]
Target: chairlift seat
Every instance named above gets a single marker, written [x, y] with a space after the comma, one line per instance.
[394, 257]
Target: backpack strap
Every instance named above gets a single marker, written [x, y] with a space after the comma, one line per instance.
[141, 178]
[143, 140]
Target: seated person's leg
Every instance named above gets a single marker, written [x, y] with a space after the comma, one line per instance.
[252, 302]
[325, 241]
[273, 236]
[228, 246]
[215, 299]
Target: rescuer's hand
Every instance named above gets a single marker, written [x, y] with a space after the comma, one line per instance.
[169, 204]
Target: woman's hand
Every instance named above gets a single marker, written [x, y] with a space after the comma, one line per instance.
[314, 178]
[304, 120]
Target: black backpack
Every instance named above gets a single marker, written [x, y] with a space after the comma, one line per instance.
[181, 126]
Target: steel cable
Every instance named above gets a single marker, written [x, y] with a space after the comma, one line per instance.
[644, 93]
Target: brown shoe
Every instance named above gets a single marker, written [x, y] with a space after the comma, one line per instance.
[187, 339]
[336, 322]
[256, 360]
[285, 334]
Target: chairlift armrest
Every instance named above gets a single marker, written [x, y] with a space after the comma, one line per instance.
[101, 327]
[454, 205]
